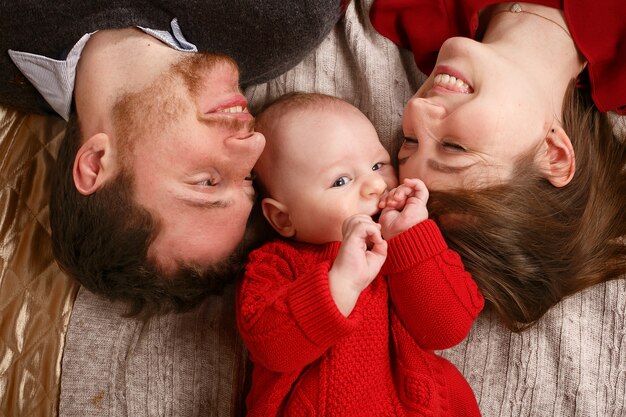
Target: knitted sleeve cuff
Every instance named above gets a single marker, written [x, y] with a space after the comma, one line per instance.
[314, 309]
[422, 241]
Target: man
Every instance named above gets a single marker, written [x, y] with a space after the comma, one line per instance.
[152, 187]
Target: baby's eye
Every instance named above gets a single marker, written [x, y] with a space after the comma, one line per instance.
[378, 166]
[341, 181]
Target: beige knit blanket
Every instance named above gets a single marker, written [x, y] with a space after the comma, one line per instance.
[573, 363]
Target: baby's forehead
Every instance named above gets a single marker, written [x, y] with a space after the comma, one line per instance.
[314, 110]
[295, 126]
[323, 116]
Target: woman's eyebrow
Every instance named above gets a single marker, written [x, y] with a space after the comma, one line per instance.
[448, 169]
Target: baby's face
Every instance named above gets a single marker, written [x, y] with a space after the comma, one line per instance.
[332, 167]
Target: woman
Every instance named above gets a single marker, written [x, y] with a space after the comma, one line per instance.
[515, 117]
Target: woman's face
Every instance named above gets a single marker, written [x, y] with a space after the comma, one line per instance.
[478, 111]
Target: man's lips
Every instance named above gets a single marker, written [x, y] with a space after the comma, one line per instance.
[233, 105]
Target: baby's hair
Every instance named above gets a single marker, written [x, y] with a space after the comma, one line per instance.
[296, 100]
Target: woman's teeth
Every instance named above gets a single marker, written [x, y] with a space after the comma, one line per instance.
[452, 83]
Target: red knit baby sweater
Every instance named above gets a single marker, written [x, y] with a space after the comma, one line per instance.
[311, 360]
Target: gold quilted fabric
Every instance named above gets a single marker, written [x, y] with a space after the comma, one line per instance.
[35, 297]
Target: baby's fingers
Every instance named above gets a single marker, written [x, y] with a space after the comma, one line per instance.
[418, 189]
[397, 197]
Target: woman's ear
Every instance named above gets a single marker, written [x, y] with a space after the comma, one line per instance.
[277, 214]
[93, 164]
[558, 163]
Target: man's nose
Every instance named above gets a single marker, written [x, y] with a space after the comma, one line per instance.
[244, 150]
[374, 185]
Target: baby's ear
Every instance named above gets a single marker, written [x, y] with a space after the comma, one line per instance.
[558, 163]
[277, 214]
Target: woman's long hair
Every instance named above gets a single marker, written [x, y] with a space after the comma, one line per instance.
[529, 244]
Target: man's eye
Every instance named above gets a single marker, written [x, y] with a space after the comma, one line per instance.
[251, 176]
[208, 183]
[341, 181]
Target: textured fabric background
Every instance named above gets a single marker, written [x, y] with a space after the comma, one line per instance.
[189, 364]
[35, 297]
[573, 363]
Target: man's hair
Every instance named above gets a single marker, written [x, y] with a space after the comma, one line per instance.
[529, 244]
[102, 241]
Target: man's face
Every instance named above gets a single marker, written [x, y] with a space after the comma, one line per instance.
[191, 147]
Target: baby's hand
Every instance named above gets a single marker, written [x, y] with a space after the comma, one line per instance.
[403, 207]
[362, 254]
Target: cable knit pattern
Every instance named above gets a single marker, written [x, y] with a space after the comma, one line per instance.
[311, 360]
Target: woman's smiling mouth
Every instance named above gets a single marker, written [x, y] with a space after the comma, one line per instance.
[450, 82]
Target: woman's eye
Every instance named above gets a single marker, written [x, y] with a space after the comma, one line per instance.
[378, 166]
[341, 181]
[410, 141]
[453, 147]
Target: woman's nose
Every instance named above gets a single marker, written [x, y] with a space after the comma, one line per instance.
[425, 113]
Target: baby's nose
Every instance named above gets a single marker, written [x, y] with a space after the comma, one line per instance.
[374, 186]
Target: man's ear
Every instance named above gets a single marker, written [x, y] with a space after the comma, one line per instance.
[277, 215]
[94, 164]
[558, 163]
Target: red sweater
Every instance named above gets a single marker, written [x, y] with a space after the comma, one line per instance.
[311, 360]
[598, 30]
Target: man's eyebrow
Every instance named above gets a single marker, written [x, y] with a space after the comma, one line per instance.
[204, 203]
[448, 169]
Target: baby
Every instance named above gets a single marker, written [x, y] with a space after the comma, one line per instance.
[341, 314]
